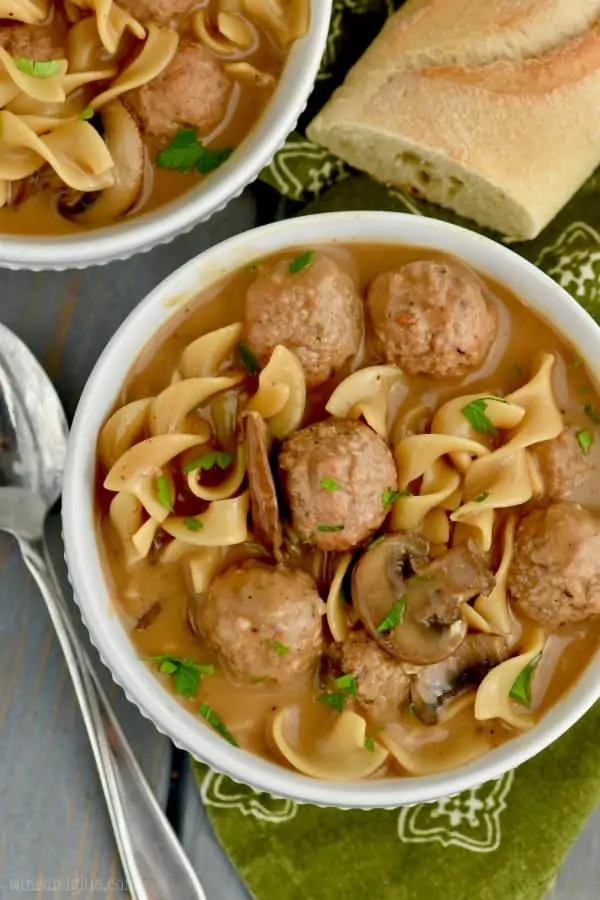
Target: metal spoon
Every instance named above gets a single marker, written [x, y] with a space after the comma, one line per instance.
[33, 441]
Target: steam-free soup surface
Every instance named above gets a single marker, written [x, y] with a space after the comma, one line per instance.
[361, 591]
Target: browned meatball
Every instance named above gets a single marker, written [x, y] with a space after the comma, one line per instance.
[555, 572]
[315, 312]
[381, 682]
[191, 92]
[432, 318]
[160, 11]
[335, 475]
[563, 465]
[39, 43]
[265, 622]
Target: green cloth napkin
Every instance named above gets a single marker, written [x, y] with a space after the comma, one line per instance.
[507, 839]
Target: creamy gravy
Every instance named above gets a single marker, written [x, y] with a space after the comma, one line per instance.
[155, 600]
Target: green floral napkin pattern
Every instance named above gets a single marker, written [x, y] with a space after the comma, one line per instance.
[507, 839]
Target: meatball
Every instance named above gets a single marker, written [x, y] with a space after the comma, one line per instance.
[554, 576]
[335, 475]
[432, 318]
[382, 685]
[562, 464]
[265, 622]
[191, 92]
[160, 11]
[35, 42]
[316, 312]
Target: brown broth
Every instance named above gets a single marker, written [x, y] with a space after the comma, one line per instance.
[246, 709]
[38, 214]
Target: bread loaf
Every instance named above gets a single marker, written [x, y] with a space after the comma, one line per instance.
[488, 107]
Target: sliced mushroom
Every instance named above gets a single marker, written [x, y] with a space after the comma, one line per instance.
[412, 606]
[122, 138]
[434, 685]
[264, 504]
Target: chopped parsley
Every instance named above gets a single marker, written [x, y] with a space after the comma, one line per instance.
[346, 683]
[521, 689]
[193, 524]
[282, 649]
[330, 484]
[330, 528]
[481, 497]
[186, 673]
[584, 389]
[576, 364]
[415, 579]
[87, 113]
[38, 69]
[376, 541]
[335, 701]
[301, 262]
[395, 616]
[592, 413]
[210, 460]
[411, 710]
[247, 358]
[219, 726]
[370, 744]
[185, 153]
[163, 492]
[585, 439]
[475, 414]
[389, 497]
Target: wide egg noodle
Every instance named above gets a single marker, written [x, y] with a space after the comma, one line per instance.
[494, 608]
[126, 515]
[203, 565]
[170, 409]
[336, 612]
[439, 482]
[281, 395]
[122, 430]
[493, 699]
[366, 393]
[30, 12]
[224, 524]
[47, 89]
[226, 488]
[156, 54]
[111, 21]
[205, 356]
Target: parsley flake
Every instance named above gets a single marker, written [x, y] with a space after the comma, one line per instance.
[592, 413]
[301, 262]
[212, 718]
[377, 541]
[282, 649]
[335, 701]
[87, 113]
[38, 69]
[411, 710]
[475, 414]
[330, 484]
[186, 673]
[481, 497]
[210, 460]
[395, 616]
[585, 439]
[330, 528]
[576, 364]
[521, 689]
[389, 497]
[370, 744]
[185, 153]
[163, 492]
[346, 683]
[247, 358]
[193, 524]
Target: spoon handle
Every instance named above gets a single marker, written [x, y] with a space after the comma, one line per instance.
[155, 865]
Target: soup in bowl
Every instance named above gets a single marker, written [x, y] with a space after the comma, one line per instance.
[342, 500]
[119, 115]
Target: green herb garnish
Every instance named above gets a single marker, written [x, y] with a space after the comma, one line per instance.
[415, 579]
[592, 413]
[411, 710]
[584, 389]
[330, 484]
[395, 616]
[210, 460]
[282, 649]
[481, 497]
[370, 744]
[346, 683]
[376, 541]
[521, 689]
[193, 524]
[219, 726]
[186, 673]
[585, 439]
[38, 69]
[576, 364]
[87, 113]
[301, 262]
[335, 701]
[389, 497]
[330, 528]
[185, 153]
[163, 492]
[475, 415]
[247, 358]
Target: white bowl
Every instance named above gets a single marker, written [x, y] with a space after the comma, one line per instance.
[540, 293]
[140, 233]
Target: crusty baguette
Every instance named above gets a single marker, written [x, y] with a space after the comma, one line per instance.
[488, 107]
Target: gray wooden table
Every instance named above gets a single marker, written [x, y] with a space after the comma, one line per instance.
[55, 838]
